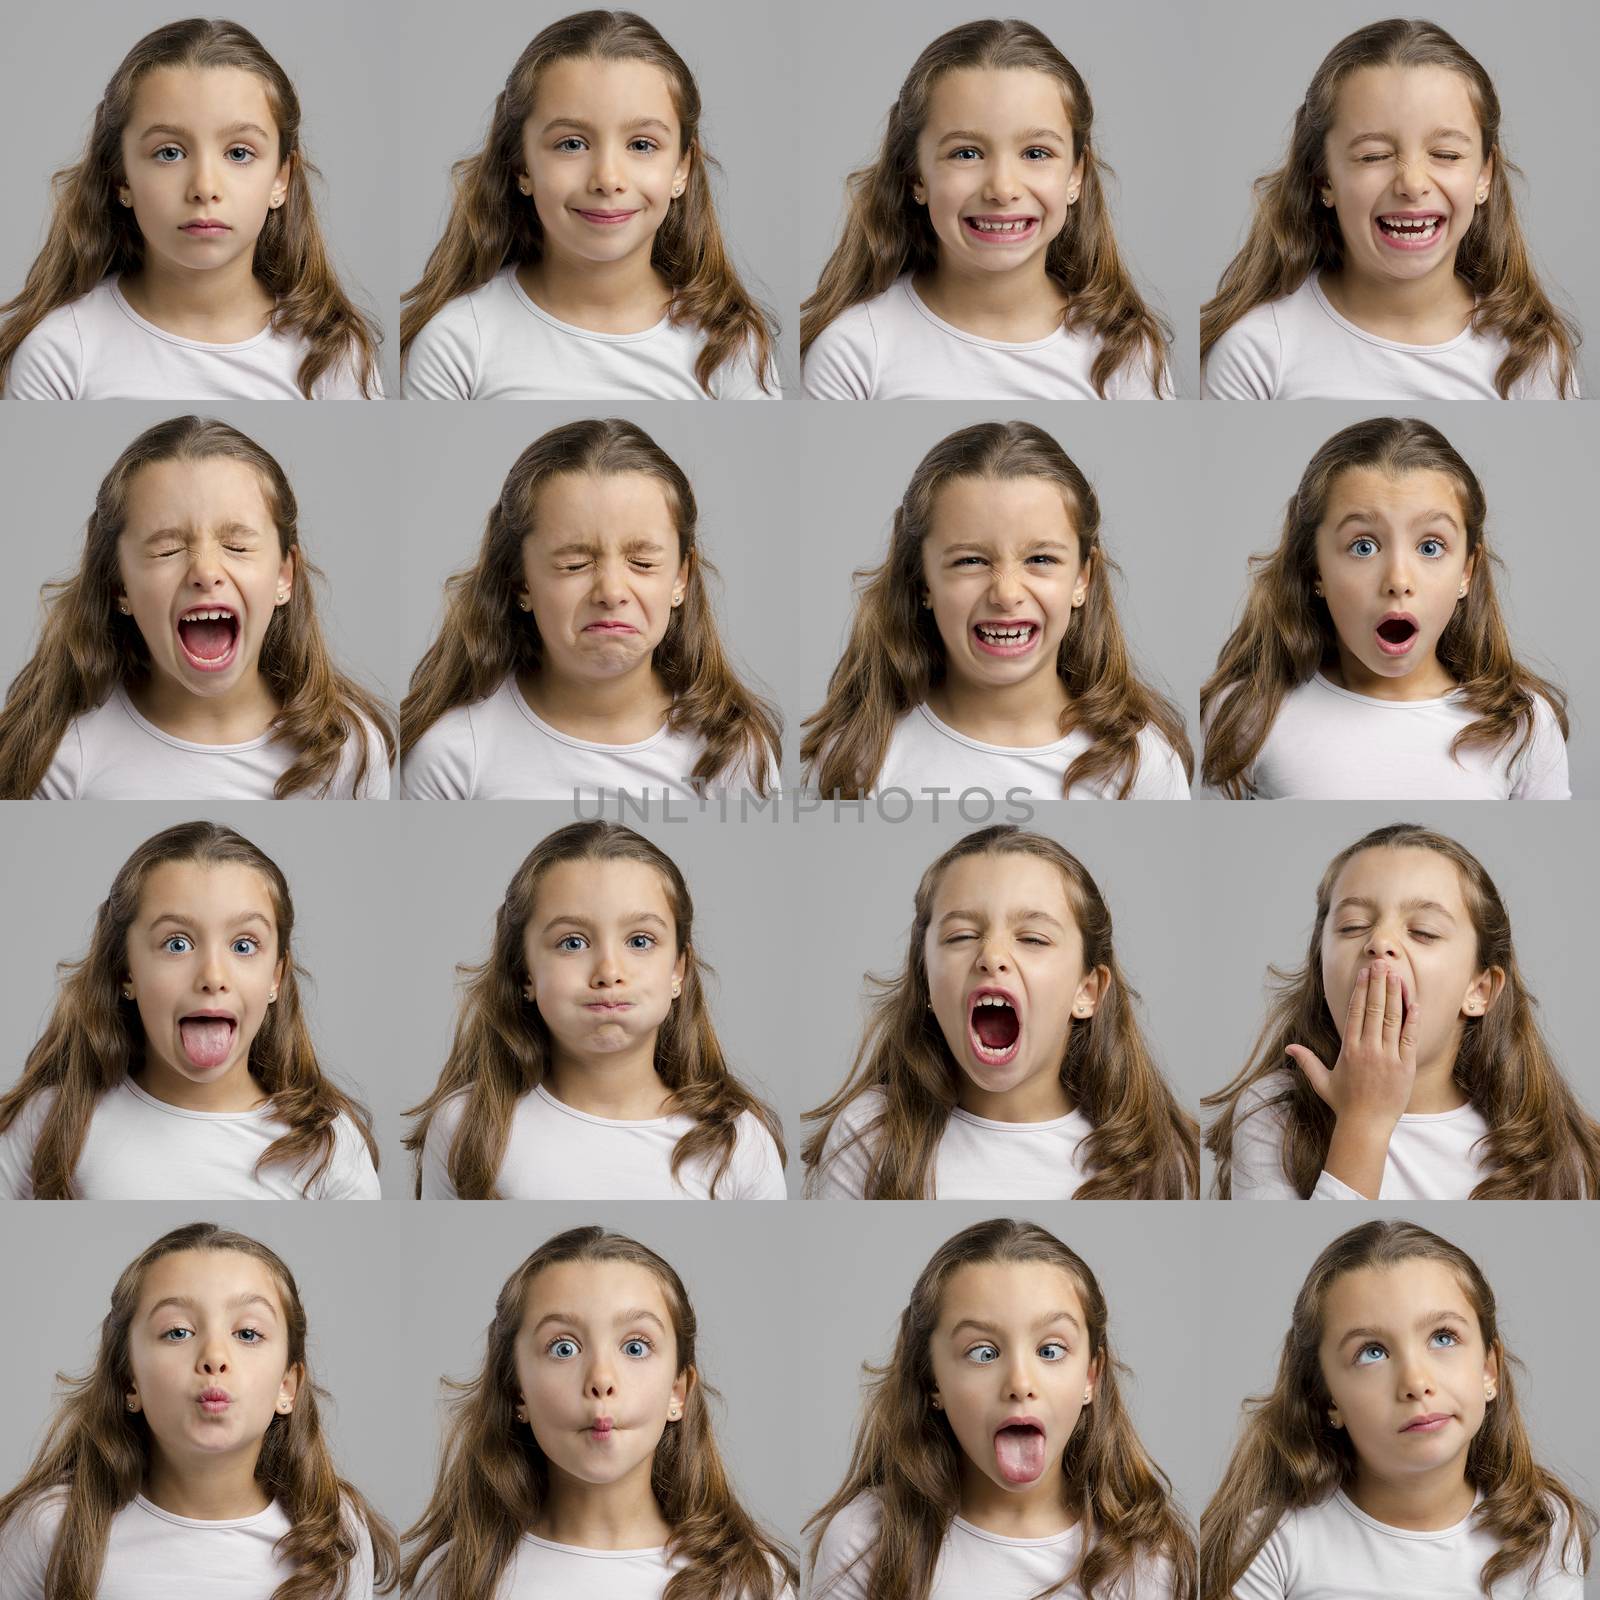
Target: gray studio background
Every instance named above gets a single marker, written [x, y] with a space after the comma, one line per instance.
[733, 48]
[340, 59]
[1251, 60]
[337, 460]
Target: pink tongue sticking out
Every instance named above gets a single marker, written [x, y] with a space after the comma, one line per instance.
[209, 641]
[996, 1026]
[206, 1040]
[1019, 1453]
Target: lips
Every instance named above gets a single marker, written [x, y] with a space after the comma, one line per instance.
[999, 637]
[994, 1026]
[214, 1401]
[605, 629]
[1000, 228]
[1397, 633]
[608, 1008]
[1431, 1423]
[606, 219]
[207, 1038]
[601, 1429]
[1410, 230]
[209, 637]
[1019, 1448]
[205, 228]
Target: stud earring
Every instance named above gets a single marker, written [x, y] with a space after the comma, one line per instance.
[285, 1407]
[272, 995]
[1335, 1420]
[1462, 594]
[677, 597]
[1488, 1391]
[524, 603]
[938, 1404]
[1077, 599]
[1080, 1010]
[132, 1403]
[127, 200]
[678, 190]
[123, 606]
[275, 201]
[127, 991]
[1088, 1396]
[1316, 589]
[527, 993]
[1483, 194]
[1072, 197]
[522, 1413]
[283, 597]
[674, 1411]
[677, 989]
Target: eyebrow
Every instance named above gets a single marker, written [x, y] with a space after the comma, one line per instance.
[583, 922]
[1043, 1322]
[589, 127]
[184, 1303]
[1366, 515]
[173, 131]
[186, 533]
[1430, 1320]
[571, 1319]
[1020, 916]
[242, 917]
[978, 544]
[1365, 904]
[1029, 133]
[576, 547]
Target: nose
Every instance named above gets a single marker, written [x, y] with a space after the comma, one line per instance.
[607, 968]
[1398, 579]
[1000, 179]
[1019, 1378]
[1005, 584]
[605, 171]
[205, 565]
[211, 1356]
[205, 175]
[610, 583]
[993, 956]
[1415, 1377]
[1383, 943]
[213, 972]
[1411, 178]
[602, 1382]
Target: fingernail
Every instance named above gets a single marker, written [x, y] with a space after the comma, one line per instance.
[1361, 976]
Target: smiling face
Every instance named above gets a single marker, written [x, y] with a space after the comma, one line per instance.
[1006, 978]
[602, 956]
[996, 167]
[1012, 1371]
[600, 573]
[600, 157]
[1406, 908]
[1392, 564]
[597, 1369]
[1003, 575]
[202, 571]
[203, 962]
[1404, 1360]
[1405, 166]
[200, 166]
[209, 1352]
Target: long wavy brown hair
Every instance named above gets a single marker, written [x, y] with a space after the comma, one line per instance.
[1144, 1146]
[1293, 235]
[895, 655]
[502, 1045]
[93, 1040]
[90, 235]
[97, 1452]
[1541, 1144]
[485, 636]
[87, 648]
[1287, 634]
[907, 1457]
[494, 1479]
[1288, 1456]
[492, 223]
[886, 234]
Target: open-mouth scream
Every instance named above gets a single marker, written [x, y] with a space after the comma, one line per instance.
[1397, 634]
[995, 1027]
[209, 637]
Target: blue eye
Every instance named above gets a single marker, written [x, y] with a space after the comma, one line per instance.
[245, 945]
[1432, 548]
[965, 151]
[573, 941]
[570, 144]
[177, 939]
[637, 1348]
[251, 1336]
[641, 941]
[1056, 1346]
[1362, 548]
[1039, 150]
[562, 1349]
[1451, 1339]
[983, 1355]
[161, 155]
[241, 150]
[643, 146]
[176, 1335]
[1376, 1351]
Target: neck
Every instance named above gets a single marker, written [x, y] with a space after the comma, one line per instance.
[245, 712]
[1023, 715]
[1017, 306]
[1427, 310]
[623, 296]
[619, 710]
[1426, 681]
[621, 1088]
[1423, 1503]
[1435, 1087]
[1041, 1098]
[603, 1516]
[1033, 1513]
[210, 1491]
[222, 305]
[235, 1090]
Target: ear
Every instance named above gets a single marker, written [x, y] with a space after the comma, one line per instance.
[1075, 182]
[678, 1399]
[286, 576]
[527, 987]
[680, 969]
[1097, 1369]
[680, 584]
[277, 976]
[1485, 176]
[936, 1400]
[1080, 591]
[289, 1389]
[1467, 571]
[680, 173]
[1335, 1420]
[919, 191]
[1325, 192]
[1095, 987]
[1483, 992]
[132, 1401]
[280, 184]
[1491, 1370]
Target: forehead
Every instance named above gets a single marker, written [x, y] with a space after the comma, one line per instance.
[1009, 1292]
[1003, 885]
[1393, 1296]
[210, 1277]
[1005, 511]
[1390, 877]
[595, 1292]
[613, 508]
[1401, 497]
[205, 890]
[196, 494]
[600, 888]
[1404, 100]
[603, 93]
[997, 100]
[201, 99]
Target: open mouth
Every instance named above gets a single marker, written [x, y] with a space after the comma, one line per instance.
[207, 1040]
[1411, 230]
[1019, 1452]
[209, 637]
[1000, 230]
[994, 1026]
[1006, 638]
[1396, 635]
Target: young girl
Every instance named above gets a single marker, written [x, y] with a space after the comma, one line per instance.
[583, 259]
[977, 259]
[1385, 260]
[1390, 1456]
[190, 1461]
[581, 650]
[1404, 1060]
[1005, 1061]
[184, 660]
[184, 259]
[995, 1456]
[585, 1065]
[177, 1064]
[1372, 662]
[985, 652]
[581, 1459]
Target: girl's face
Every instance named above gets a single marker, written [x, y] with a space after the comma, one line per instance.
[1406, 908]
[203, 966]
[597, 1369]
[602, 955]
[202, 571]
[1012, 1370]
[600, 571]
[1405, 165]
[209, 1352]
[600, 157]
[1006, 973]
[1003, 576]
[1403, 1357]
[200, 166]
[996, 167]
[1392, 562]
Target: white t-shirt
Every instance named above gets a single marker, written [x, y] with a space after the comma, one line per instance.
[1433, 1155]
[925, 753]
[113, 753]
[494, 343]
[1335, 1551]
[1329, 743]
[556, 1152]
[893, 347]
[140, 1148]
[501, 749]
[973, 1564]
[977, 1158]
[1300, 348]
[153, 1555]
[100, 348]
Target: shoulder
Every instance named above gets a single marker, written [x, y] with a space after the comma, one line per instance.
[1246, 363]
[1133, 379]
[443, 763]
[26, 1543]
[350, 1174]
[1161, 775]
[848, 1149]
[343, 380]
[842, 363]
[365, 736]
[443, 360]
[17, 1144]
[740, 376]
[49, 363]
[844, 1553]
[759, 1166]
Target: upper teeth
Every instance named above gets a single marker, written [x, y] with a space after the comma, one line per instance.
[992, 1000]
[1020, 630]
[1411, 224]
[214, 615]
[1000, 227]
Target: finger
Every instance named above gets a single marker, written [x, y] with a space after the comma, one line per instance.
[1393, 1009]
[1311, 1069]
[1409, 1035]
[1372, 1017]
[1356, 1011]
